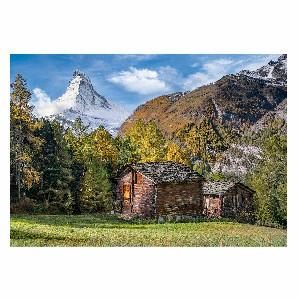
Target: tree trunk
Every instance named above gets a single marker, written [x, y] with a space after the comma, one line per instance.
[47, 201]
[19, 166]
[18, 181]
[15, 151]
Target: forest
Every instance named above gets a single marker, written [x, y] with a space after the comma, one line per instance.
[55, 170]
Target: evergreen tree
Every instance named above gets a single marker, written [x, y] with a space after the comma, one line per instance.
[79, 129]
[94, 156]
[96, 192]
[75, 146]
[269, 181]
[23, 142]
[127, 153]
[54, 164]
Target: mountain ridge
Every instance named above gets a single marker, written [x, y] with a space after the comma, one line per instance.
[241, 98]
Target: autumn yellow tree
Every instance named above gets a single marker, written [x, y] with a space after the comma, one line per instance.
[176, 153]
[23, 142]
[94, 155]
[148, 140]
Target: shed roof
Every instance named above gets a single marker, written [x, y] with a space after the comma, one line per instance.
[220, 187]
[167, 171]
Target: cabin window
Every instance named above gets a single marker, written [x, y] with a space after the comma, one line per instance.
[137, 177]
[126, 192]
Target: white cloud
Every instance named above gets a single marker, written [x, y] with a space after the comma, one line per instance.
[171, 77]
[213, 71]
[168, 79]
[135, 57]
[217, 67]
[44, 106]
[142, 81]
[195, 80]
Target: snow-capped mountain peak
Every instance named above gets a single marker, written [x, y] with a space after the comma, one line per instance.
[79, 73]
[81, 100]
[274, 71]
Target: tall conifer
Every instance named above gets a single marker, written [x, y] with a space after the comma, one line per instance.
[23, 142]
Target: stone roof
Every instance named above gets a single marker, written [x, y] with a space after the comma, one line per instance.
[220, 187]
[167, 171]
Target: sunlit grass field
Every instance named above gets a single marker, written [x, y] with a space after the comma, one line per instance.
[110, 231]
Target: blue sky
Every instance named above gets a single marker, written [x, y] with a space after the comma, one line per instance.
[129, 79]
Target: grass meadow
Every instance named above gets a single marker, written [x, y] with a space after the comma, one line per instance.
[110, 231]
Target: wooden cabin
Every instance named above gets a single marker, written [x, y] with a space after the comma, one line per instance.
[157, 189]
[228, 199]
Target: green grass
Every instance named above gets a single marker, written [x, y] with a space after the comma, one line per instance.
[107, 231]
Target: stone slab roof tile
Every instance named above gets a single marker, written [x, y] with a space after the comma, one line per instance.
[220, 187]
[217, 187]
[167, 171]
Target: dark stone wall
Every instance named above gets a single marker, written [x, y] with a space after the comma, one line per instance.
[143, 197]
[179, 199]
[150, 200]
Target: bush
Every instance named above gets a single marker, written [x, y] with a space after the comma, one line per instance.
[25, 207]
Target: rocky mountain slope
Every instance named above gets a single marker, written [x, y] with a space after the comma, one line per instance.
[231, 112]
[81, 100]
[241, 157]
[241, 98]
[279, 112]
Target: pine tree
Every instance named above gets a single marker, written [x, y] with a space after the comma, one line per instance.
[269, 181]
[75, 146]
[23, 142]
[94, 156]
[136, 135]
[96, 195]
[54, 164]
[100, 155]
[127, 153]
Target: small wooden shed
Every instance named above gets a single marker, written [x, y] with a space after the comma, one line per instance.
[155, 189]
[227, 199]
